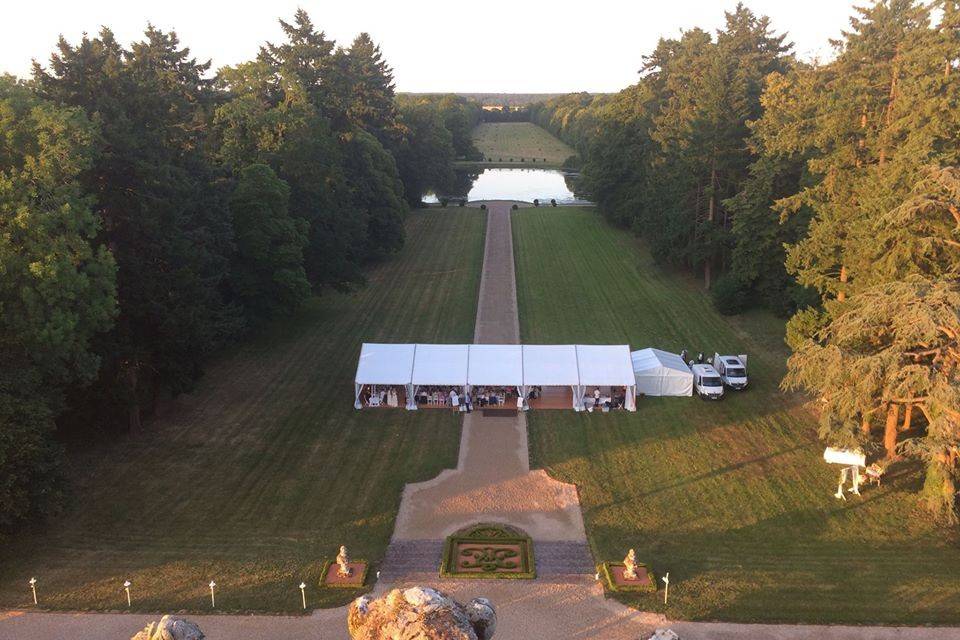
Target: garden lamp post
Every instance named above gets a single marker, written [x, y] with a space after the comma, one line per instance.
[666, 587]
[213, 599]
[303, 594]
[33, 587]
[126, 587]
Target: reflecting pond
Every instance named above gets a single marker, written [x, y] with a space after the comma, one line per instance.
[514, 184]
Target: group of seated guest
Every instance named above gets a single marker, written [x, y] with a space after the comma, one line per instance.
[378, 396]
[437, 396]
[494, 396]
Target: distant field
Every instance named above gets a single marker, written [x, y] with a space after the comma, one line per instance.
[509, 142]
[732, 498]
[266, 469]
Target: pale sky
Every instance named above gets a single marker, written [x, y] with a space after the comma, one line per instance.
[481, 46]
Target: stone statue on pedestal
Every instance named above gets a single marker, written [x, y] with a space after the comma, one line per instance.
[343, 561]
[630, 566]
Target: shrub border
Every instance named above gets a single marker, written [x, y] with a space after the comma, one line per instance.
[604, 570]
[511, 536]
[329, 563]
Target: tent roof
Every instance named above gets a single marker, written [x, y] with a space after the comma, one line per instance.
[666, 363]
[441, 364]
[605, 364]
[495, 364]
[550, 365]
[385, 363]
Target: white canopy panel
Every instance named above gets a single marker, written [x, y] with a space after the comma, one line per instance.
[441, 364]
[661, 373]
[385, 363]
[550, 365]
[605, 365]
[495, 364]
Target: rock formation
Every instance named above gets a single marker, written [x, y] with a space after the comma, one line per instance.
[420, 613]
[170, 628]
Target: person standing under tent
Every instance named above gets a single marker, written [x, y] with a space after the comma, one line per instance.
[454, 400]
[467, 401]
[596, 397]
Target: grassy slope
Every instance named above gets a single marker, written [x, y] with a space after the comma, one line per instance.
[507, 142]
[266, 468]
[731, 498]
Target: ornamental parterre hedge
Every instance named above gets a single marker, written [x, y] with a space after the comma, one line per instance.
[519, 567]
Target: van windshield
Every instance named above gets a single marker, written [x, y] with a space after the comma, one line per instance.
[711, 381]
[736, 372]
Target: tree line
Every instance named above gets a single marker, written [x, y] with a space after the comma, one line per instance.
[827, 191]
[151, 212]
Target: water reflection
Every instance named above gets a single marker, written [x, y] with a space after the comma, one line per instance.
[514, 184]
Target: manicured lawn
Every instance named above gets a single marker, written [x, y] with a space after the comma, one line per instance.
[732, 498]
[266, 469]
[508, 142]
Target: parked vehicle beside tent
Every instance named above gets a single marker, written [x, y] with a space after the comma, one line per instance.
[707, 383]
[732, 370]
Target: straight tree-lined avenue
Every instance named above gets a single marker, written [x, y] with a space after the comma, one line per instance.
[557, 604]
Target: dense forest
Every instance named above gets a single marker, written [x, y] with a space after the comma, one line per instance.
[829, 191]
[152, 211]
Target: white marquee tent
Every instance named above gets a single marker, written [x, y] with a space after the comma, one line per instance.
[661, 373]
[495, 365]
[385, 364]
[552, 365]
[519, 366]
[603, 365]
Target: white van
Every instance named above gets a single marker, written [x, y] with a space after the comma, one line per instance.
[732, 369]
[707, 382]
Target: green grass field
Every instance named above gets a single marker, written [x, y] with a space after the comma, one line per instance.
[732, 498]
[261, 473]
[508, 142]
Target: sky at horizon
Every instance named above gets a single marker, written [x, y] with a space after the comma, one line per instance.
[433, 46]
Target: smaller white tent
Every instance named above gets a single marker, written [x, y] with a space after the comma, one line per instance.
[387, 364]
[661, 373]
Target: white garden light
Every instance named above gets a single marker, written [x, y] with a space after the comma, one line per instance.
[303, 594]
[126, 587]
[213, 599]
[666, 587]
[33, 587]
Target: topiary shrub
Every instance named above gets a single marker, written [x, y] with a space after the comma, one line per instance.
[483, 207]
[514, 207]
[462, 203]
[729, 295]
[536, 202]
[521, 160]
